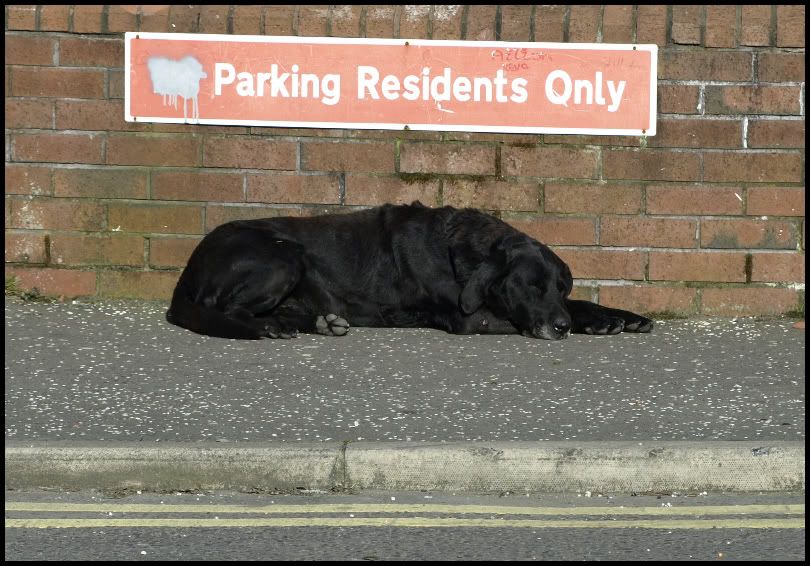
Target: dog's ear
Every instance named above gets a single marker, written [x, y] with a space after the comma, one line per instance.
[567, 279]
[475, 291]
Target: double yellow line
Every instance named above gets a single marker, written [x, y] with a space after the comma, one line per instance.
[664, 517]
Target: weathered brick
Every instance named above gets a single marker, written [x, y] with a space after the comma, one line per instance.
[603, 264]
[449, 158]
[29, 50]
[380, 21]
[583, 23]
[87, 18]
[648, 232]
[649, 299]
[247, 20]
[366, 190]
[776, 201]
[115, 84]
[698, 133]
[313, 20]
[414, 21]
[171, 252]
[216, 215]
[447, 19]
[555, 230]
[686, 24]
[781, 67]
[748, 301]
[28, 180]
[492, 194]
[122, 18]
[748, 233]
[57, 82]
[89, 114]
[787, 268]
[651, 26]
[582, 292]
[184, 18]
[678, 99]
[721, 26]
[790, 26]
[58, 148]
[249, 153]
[100, 183]
[756, 25]
[697, 266]
[753, 99]
[548, 23]
[25, 247]
[757, 167]
[56, 214]
[292, 189]
[651, 164]
[198, 185]
[22, 17]
[345, 156]
[159, 219]
[67, 283]
[214, 19]
[704, 65]
[131, 149]
[278, 20]
[694, 199]
[29, 113]
[55, 17]
[86, 52]
[554, 162]
[155, 18]
[152, 285]
[617, 23]
[516, 22]
[776, 133]
[96, 249]
[592, 198]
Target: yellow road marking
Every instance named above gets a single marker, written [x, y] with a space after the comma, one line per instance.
[405, 508]
[746, 523]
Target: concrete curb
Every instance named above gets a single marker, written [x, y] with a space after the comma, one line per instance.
[473, 467]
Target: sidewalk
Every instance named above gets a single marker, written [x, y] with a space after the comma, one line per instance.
[109, 395]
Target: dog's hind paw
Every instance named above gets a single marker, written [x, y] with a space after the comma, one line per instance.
[331, 325]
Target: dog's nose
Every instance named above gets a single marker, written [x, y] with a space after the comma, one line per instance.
[561, 325]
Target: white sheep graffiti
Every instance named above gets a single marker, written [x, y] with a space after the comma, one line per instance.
[177, 78]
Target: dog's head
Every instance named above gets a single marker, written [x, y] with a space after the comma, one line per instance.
[524, 282]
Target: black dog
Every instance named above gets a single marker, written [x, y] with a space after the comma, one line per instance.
[462, 271]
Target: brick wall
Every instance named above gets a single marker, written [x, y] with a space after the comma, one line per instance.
[707, 217]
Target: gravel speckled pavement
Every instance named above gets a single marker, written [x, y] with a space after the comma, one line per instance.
[110, 375]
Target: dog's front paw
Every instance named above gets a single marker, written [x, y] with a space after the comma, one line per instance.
[638, 324]
[604, 325]
[331, 325]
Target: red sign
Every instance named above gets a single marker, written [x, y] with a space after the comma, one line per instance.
[484, 86]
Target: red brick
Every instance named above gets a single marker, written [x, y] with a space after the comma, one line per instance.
[516, 22]
[647, 232]
[115, 86]
[603, 264]
[85, 52]
[592, 198]
[214, 19]
[184, 18]
[749, 301]
[97, 115]
[198, 185]
[548, 23]
[757, 167]
[87, 18]
[55, 214]
[278, 20]
[345, 20]
[556, 230]
[55, 18]
[29, 50]
[249, 153]
[159, 219]
[449, 158]
[748, 233]
[781, 67]
[480, 22]
[698, 133]
[363, 190]
[122, 18]
[345, 156]
[721, 26]
[380, 21]
[555, 162]
[58, 148]
[583, 23]
[22, 17]
[651, 164]
[447, 21]
[414, 21]
[28, 180]
[171, 252]
[752, 100]
[25, 247]
[617, 24]
[57, 82]
[678, 99]
[694, 199]
[651, 25]
[788, 268]
[100, 183]
[155, 18]
[582, 292]
[776, 133]
[756, 25]
[649, 299]
[152, 285]
[686, 24]
[131, 149]
[313, 20]
[96, 249]
[247, 20]
[697, 266]
[492, 194]
[29, 113]
[776, 201]
[61, 282]
[292, 189]
[704, 65]
[216, 215]
[790, 26]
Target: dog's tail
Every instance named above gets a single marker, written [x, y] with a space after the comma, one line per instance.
[204, 320]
